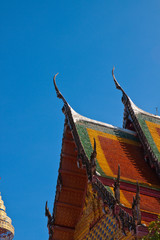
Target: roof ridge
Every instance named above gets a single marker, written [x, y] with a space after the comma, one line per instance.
[131, 110]
[77, 117]
[137, 109]
[126, 97]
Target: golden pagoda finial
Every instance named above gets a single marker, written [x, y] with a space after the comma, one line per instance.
[6, 228]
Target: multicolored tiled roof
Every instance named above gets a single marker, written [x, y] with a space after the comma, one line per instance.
[149, 204]
[150, 125]
[147, 127]
[118, 146]
[115, 146]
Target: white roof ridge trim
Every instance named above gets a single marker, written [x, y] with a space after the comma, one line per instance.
[138, 110]
[77, 117]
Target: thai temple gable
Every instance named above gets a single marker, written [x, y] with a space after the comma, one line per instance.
[147, 127]
[97, 194]
[6, 228]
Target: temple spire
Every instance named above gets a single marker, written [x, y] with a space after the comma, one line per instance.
[6, 228]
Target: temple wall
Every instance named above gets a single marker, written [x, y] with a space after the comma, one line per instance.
[95, 223]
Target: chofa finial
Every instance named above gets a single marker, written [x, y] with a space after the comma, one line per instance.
[94, 145]
[136, 212]
[119, 172]
[115, 81]
[125, 97]
[116, 186]
[59, 94]
[93, 159]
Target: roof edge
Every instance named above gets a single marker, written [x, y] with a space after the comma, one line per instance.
[77, 117]
[139, 110]
[125, 97]
[59, 94]
[134, 110]
[67, 110]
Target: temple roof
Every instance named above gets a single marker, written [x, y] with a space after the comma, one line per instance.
[150, 125]
[147, 127]
[116, 146]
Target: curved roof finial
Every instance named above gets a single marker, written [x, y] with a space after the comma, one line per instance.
[115, 81]
[59, 94]
[125, 96]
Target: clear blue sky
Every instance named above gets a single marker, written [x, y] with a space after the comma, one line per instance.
[81, 40]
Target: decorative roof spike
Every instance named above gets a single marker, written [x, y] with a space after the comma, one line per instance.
[59, 94]
[136, 212]
[47, 212]
[6, 228]
[116, 186]
[115, 81]
[125, 97]
[119, 173]
[133, 203]
[59, 182]
[94, 153]
[93, 160]
[94, 145]
[50, 220]
[137, 189]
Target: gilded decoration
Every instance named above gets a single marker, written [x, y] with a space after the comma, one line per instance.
[97, 222]
[6, 228]
[92, 212]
